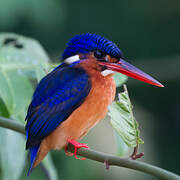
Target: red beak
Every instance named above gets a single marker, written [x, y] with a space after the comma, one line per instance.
[129, 70]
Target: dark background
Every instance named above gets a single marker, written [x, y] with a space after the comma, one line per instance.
[148, 33]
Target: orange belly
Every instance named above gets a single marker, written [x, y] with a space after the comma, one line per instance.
[93, 109]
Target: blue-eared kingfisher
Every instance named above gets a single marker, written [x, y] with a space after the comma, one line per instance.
[75, 96]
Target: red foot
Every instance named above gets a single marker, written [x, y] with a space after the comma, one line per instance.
[76, 145]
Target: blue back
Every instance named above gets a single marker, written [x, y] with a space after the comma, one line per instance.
[57, 95]
[85, 43]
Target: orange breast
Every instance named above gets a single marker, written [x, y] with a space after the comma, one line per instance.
[93, 109]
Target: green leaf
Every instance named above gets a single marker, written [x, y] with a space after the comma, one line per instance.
[21, 91]
[122, 148]
[48, 163]
[6, 93]
[26, 59]
[21, 61]
[3, 110]
[12, 154]
[120, 79]
[18, 65]
[123, 121]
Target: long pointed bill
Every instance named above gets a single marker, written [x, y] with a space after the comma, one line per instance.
[130, 70]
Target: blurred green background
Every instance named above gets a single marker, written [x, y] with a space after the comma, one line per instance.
[147, 31]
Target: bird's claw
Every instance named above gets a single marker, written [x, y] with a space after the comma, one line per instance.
[76, 145]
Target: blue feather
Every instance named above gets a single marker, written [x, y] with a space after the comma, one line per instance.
[57, 95]
[85, 43]
[33, 154]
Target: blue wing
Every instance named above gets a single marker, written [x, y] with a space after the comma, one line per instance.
[57, 95]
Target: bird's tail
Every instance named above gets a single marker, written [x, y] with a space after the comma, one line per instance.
[33, 154]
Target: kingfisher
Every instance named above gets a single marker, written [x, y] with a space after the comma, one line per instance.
[75, 96]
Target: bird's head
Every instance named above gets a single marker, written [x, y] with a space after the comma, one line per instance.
[107, 55]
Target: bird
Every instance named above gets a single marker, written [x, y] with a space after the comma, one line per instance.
[74, 96]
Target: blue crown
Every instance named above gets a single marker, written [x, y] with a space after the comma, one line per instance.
[81, 44]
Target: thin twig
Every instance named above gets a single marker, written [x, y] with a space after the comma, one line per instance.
[102, 157]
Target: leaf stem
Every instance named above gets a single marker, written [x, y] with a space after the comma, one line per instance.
[134, 155]
[102, 157]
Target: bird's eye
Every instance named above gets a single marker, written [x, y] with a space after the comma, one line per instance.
[99, 54]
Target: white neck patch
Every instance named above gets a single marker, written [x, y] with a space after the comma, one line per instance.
[72, 59]
[107, 72]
